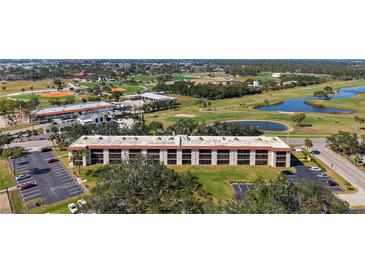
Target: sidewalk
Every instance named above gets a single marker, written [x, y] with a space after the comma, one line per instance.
[4, 203]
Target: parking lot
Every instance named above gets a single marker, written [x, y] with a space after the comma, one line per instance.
[303, 173]
[54, 182]
[241, 190]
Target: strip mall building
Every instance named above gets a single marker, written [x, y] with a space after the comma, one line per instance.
[184, 150]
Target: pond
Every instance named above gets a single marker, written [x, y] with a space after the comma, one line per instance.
[262, 125]
[299, 105]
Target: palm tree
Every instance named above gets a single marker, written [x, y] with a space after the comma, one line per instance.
[77, 158]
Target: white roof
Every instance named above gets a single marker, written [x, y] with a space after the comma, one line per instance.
[72, 108]
[156, 96]
[180, 140]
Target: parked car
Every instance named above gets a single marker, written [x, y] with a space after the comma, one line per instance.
[73, 208]
[314, 168]
[46, 149]
[53, 160]
[331, 183]
[322, 175]
[81, 203]
[22, 177]
[27, 185]
[316, 152]
[287, 172]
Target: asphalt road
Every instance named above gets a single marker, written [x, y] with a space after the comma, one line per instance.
[54, 182]
[343, 167]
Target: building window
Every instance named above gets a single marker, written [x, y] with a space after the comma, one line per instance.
[97, 156]
[205, 157]
[171, 157]
[153, 155]
[115, 156]
[186, 156]
[261, 157]
[281, 158]
[222, 157]
[243, 157]
[134, 153]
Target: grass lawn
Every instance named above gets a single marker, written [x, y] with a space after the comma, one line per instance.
[216, 179]
[6, 175]
[242, 108]
[16, 86]
[143, 78]
[43, 101]
[178, 77]
[16, 202]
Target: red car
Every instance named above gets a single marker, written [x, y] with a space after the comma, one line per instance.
[53, 160]
[27, 185]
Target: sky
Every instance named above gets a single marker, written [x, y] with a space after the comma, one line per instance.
[182, 29]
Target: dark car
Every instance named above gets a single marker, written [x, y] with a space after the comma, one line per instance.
[287, 172]
[331, 183]
[53, 160]
[27, 185]
[46, 149]
[315, 152]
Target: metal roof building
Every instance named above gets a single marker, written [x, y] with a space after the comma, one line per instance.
[180, 150]
[80, 109]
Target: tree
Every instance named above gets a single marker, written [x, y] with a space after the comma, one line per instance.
[4, 140]
[308, 143]
[298, 118]
[54, 137]
[142, 186]
[14, 152]
[328, 89]
[184, 126]
[279, 196]
[77, 158]
[344, 142]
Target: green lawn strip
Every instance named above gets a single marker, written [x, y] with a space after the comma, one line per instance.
[216, 179]
[16, 202]
[144, 78]
[6, 175]
[58, 208]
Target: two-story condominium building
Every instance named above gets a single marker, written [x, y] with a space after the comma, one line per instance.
[184, 150]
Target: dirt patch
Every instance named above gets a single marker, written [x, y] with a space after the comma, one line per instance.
[118, 89]
[56, 94]
[181, 115]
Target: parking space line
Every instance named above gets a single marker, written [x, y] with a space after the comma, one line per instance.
[73, 188]
[31, 190]
[32, 196]
[79, 192]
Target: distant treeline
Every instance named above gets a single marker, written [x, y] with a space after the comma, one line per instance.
[209, 91]
[338, 70]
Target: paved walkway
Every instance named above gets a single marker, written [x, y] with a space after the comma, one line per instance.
[4, 203]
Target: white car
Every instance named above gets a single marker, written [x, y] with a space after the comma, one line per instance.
[81, 203]
[73, 208]
[314, 168]
[322, 175]
[22, 177]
